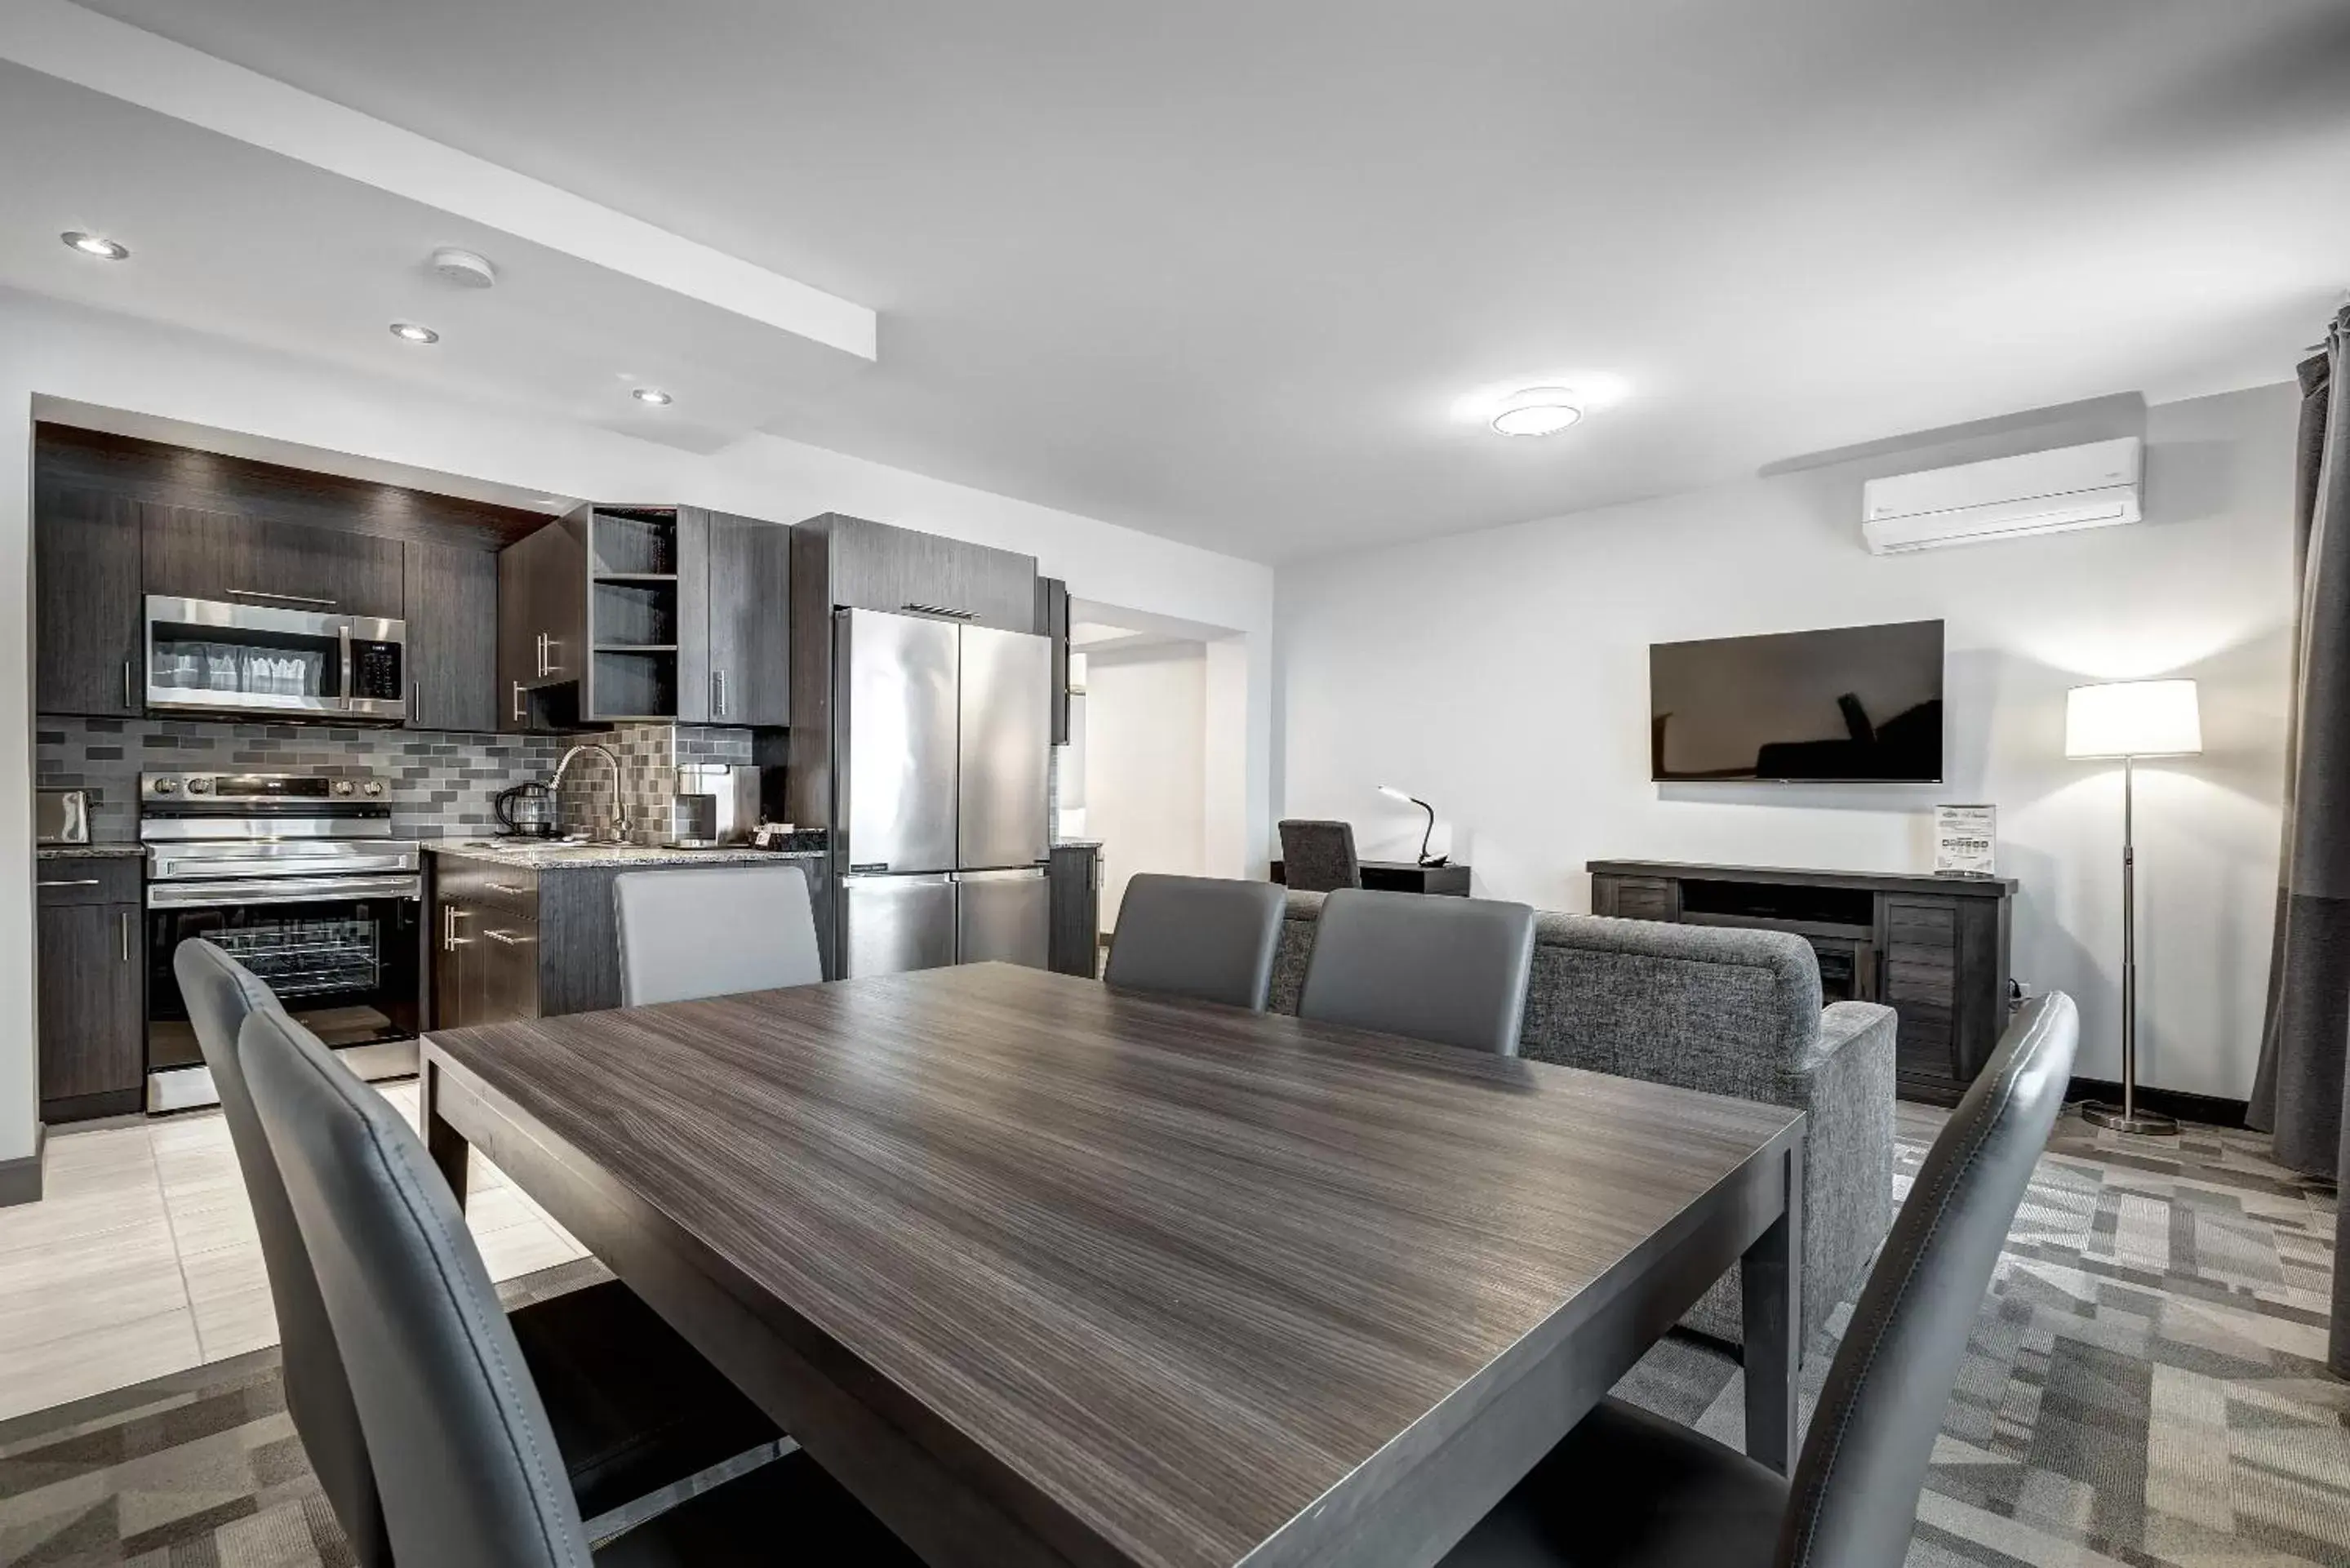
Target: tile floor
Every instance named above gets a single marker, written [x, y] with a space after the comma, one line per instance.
[141, 1257]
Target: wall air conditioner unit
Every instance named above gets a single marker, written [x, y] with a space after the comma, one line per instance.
[2090, 486]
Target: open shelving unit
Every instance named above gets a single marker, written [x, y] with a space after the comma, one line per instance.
[632, 587]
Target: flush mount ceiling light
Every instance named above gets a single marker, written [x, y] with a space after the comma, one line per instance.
[652, 395]
[93, 246]
[1538, 411]
[408, 332]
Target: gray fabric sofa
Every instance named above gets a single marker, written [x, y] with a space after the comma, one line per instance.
[1728, 1012]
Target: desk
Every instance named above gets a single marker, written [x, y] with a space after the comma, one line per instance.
[1046, 1273]
[1404, 877]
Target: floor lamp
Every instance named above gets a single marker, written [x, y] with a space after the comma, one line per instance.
[2129, 720]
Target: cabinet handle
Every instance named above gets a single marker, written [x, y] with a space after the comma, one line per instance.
[507, 939]
[504, 888]
[77, 882]
[124, 925]
[718, 693]
[281, 599]
[518, 702]
[942, 609]
[130, 683]
[539, 647]
[449, 914]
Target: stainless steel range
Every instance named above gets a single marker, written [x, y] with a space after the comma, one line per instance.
[298, 877]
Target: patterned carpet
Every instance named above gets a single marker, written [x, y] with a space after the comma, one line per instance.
[2145, 1388]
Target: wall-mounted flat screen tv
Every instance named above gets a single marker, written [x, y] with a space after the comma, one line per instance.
[1853, 704]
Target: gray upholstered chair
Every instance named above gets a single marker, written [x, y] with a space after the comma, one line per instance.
[1319, 857]
[1202, 937]
[1629, 1490]
[634, 1409]
[714, 931]
[1448, 969]
[464, 1453]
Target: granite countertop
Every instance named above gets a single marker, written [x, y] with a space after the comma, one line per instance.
[90, 851]
[546, 856]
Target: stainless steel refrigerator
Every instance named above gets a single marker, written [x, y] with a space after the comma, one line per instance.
[942, 746]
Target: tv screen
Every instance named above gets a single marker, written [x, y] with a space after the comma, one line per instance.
[1855, 704]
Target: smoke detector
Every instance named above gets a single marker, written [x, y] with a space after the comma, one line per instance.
[463, 268]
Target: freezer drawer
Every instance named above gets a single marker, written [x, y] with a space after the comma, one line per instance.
[892, 924]
[1007, 746]
[1004, 915]
[895, 747]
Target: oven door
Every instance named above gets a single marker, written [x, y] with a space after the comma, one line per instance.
[343, 955]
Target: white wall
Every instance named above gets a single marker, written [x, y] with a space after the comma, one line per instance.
[1503, 675]
[116, 362]
[1146, 754]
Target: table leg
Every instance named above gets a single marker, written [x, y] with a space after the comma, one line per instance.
[444, 1143]
[1771, 1277]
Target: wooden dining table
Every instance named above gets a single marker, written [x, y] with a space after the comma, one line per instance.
[1044, 1272]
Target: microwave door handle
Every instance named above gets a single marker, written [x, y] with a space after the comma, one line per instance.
[343, 637]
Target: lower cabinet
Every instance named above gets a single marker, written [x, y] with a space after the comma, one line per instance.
[1075, 944]
[511, 943]
[91, 968]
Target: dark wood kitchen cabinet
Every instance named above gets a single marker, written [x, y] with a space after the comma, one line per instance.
[90, 969]
[617, 613]
[735, 636]
[452, 637]
[87, 617]
[875, 565]
[1073, 942]
[260, 561]
[1053, 621]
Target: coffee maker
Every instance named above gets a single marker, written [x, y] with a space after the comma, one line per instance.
[717, 804]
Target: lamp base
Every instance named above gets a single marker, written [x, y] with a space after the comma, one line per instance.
[2149, 1124]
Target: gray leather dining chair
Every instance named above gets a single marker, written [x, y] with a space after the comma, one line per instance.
[1205, 938]
[714, 931]
[633, 1407]
[1318, 857]
[464, 1453]
[1629, 1490]
[1453, 971]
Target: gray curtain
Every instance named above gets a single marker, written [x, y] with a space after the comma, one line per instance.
[2302, 1093]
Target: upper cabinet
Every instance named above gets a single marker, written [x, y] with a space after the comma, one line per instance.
[1053, 621]
[739, 671]
[874, 565]
[87, 614]
[198, 555]
[619, 613]
[452, 623]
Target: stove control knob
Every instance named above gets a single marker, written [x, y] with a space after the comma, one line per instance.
[342, 786]
[167, 786]
[200, 787]
[373, 786]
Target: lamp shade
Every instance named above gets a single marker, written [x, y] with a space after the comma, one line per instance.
[2133, 719]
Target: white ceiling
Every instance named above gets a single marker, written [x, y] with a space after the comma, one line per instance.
[1222, 271]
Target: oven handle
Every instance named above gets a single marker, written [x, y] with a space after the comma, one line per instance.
[281, 890]
[215, 867]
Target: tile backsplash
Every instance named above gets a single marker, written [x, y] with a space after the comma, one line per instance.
[441, 784]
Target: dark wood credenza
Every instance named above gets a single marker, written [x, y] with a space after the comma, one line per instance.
[1933, 948]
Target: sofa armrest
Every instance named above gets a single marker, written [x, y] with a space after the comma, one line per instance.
[1843, 1082]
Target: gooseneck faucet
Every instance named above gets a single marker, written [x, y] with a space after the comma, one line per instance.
[619, 812]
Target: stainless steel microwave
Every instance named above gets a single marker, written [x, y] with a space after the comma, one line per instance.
[205, 656]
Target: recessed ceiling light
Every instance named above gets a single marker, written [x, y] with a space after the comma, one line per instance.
[92, 245]
[408, 332]
[652, 395]
[1538, 411]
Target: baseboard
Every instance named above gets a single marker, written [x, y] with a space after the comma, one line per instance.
[2211, 1110]
[20, 1179]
